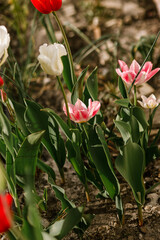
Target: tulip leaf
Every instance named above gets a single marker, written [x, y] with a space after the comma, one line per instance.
[131, 167]
[62, 227]
[19, 111]
[77, 91]
[123, 102]
[57, 141]
[60, 194]
[74, 155]
[122, 88]
[44, 167]
[37, 120]
[26, 159]
[92, 84]
[135, 133]
[141, 118]
[101, 159]
[67, 72]
[5, 128]
[124, 129]
[60, 122]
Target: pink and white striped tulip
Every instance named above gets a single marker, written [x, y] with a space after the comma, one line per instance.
[150, 102]
[128, 74]
[79, 113]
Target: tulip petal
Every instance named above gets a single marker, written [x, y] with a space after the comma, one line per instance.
[123, 65]
[118, 71]
[134, 67]
[128, 76]
[141, 78]
[147, 67]
[152, 73]
[93, 108]
[79, 105]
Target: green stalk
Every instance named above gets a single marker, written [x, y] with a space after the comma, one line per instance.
[65, 99]
[86, 184]
[140, 215]
[135, 96]
[67, 46]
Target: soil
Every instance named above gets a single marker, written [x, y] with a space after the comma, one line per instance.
[128, 20]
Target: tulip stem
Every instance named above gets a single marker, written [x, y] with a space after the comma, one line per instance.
[65, 99]
[140, 215]
[67, 46]
[135, 96]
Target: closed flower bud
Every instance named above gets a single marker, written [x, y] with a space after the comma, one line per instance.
[50, 58]
[4, 44]
[5, 212]
[1, 82]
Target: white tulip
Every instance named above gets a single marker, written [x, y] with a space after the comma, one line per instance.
[50, 58]
[4, 44]
[150, 102]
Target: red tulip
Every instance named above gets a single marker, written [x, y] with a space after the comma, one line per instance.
[5, 212]
[1, 82]
[47, 6]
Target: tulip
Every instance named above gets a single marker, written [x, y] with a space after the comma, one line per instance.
[79, 113]
[1, 82]
[129, 74]
[47, 6]
[4, 44]
[150, 102]
[50, 58]
[5, 212]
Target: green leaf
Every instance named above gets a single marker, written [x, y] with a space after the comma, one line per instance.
[131, 167]
[60, 194]
[77, 91]
[26, 159]
[5, 128]
[57, 142]
[99, 158]
[74, 155]
[123, 102]
[61, 228]
[44, 167]
[124, 129]
[122, 88]
[60, 122]
[101, 137]
[135, 133]
[67, 72]
[92, 84]
[19, 111]
[140, 116]
[37, 120]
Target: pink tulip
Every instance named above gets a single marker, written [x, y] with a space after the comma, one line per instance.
[79, 113]
[129, 74]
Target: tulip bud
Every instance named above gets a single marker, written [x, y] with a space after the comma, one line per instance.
[5, 212]
[1, 82]
[47, 6]
[3, 96]
[4, 44]
[50, 58]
